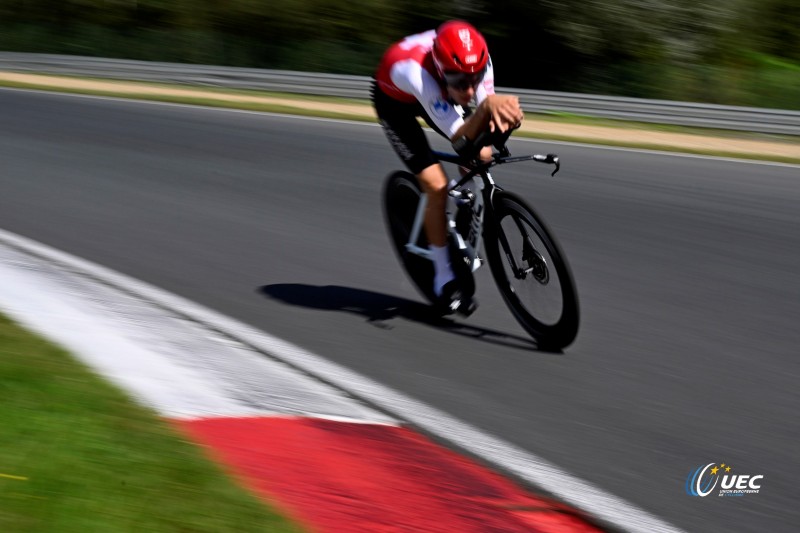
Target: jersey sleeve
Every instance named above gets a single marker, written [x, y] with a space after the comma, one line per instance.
[410, 77]
[487, 85]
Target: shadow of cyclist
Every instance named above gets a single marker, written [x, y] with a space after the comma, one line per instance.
[381, 308]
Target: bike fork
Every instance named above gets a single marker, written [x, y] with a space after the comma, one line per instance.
[531, 258]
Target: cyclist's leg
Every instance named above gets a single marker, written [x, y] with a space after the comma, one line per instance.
[433, 181]
[457, 282]
[406, 136]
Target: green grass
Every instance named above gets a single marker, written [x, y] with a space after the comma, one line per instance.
[776, 62]
[553, 117]
[77, 455]
[208, 101]
[571, 118]
[222, 91]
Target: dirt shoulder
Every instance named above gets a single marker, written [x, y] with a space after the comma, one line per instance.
[535, 127]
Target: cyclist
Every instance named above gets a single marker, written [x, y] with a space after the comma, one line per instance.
[436, 75]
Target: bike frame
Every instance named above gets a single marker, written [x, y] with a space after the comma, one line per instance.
[484, 188]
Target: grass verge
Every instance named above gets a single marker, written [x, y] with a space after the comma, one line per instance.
[77, 455]
[287, 107]
[664, 148]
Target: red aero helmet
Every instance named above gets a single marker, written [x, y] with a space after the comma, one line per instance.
[459, 47]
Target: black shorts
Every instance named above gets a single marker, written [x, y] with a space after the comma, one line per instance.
[400, 124]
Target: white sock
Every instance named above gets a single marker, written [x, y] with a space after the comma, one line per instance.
[441, 263]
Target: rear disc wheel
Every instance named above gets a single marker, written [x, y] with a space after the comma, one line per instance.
[401, 197]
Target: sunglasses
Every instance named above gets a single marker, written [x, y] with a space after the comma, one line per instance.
[462, 80]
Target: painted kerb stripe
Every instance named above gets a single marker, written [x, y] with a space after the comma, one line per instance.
[525, 466]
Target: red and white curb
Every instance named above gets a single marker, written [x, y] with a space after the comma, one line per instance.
[278, 416]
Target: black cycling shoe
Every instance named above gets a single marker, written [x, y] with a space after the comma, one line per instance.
[455, 300]
[462, 268]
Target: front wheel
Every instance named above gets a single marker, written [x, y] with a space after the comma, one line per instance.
[531, 272]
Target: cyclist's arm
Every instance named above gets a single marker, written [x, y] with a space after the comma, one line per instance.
[482, 92]
[486, 86]
[497, 113]
[411, 78]
[493, 111]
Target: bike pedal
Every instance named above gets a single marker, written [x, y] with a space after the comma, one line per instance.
[468, 307]
[447, 308]
[453, 300]
[464, 307]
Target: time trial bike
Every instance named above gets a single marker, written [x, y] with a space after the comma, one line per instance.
[526, 262]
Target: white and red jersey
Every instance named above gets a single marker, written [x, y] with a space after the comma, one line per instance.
[407, 74]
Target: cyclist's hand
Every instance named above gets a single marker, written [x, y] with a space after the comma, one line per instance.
[504, 112]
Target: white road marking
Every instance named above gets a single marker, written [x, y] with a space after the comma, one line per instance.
[177, 366]
[505, 456]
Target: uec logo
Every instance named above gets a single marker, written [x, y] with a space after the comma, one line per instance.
[704, 479]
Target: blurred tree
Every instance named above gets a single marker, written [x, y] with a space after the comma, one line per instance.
[603, 42]
[772, 27]
[736, 51]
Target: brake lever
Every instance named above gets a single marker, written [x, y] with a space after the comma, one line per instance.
[554, 160]
[550, 159]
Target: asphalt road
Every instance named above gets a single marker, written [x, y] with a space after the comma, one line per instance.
[688, 271]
